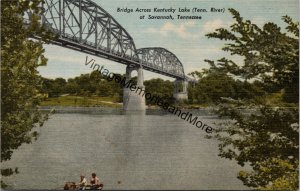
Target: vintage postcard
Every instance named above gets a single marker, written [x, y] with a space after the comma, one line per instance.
[150, 95]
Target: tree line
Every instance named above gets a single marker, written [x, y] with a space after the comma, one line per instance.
[94, 84]
[210, 88]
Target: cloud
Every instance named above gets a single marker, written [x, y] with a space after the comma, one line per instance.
[180, 30]
[212, 25]
[189, 29]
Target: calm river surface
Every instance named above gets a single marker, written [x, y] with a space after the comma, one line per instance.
[127, 151]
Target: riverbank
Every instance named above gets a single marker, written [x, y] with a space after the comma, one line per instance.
[80, 101]
[96, 101]
[273, 100]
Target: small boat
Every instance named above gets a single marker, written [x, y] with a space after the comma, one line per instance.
[74, 186]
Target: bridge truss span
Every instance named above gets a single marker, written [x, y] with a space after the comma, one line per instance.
[157, 58]
[84, 26]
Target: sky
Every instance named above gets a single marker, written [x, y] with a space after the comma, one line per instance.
[185, 38]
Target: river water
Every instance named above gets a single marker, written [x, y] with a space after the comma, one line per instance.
[152, 150]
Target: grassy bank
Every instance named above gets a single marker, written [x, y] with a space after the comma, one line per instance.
[79, 101]
[273, 100]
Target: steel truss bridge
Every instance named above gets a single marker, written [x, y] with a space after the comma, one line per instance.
[84, 26]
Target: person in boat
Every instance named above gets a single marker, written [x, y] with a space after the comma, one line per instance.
[70, 186]
[95, 182]
[83, 183]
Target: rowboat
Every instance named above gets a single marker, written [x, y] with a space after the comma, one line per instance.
[74, 186]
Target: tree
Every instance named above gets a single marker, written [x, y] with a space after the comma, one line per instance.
[161, 88]
[214, 85]
[54, 87]
[267, 139]
[60, 82]
[20, 82]
[72, 87]
[269, 54]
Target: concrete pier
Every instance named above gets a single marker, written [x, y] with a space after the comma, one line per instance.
[133, 101]
[180, 90]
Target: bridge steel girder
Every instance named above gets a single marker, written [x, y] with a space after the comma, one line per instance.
[157, 58]
[84, 26]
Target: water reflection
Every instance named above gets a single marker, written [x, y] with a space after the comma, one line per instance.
[127, 150]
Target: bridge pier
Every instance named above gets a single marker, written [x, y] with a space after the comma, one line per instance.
[133, 101]
[180, 90]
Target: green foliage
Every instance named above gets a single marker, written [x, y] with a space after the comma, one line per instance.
[71, 87]
[269, 54]
[20, 82]
[96, 85]
[265, 138]
[53, 87]
[212, 86]
[159, 87]
[283, 174]
[83, 85]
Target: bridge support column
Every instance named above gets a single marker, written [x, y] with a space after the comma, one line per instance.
[133, 101]
[180, 90]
